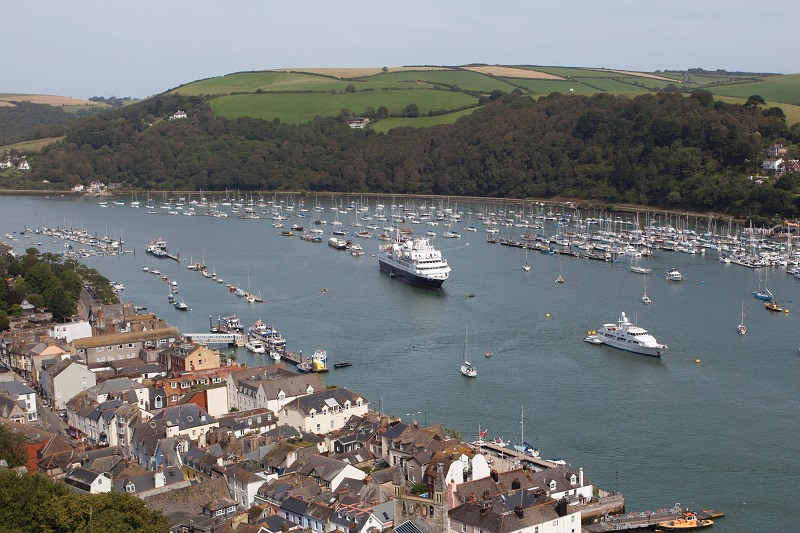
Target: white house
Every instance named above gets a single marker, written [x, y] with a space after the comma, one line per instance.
[244, 484]
[20, 392]
[324, 411]
[71, 331]
[178, 115]
[269, 387]
[65, 379]
[88, 481]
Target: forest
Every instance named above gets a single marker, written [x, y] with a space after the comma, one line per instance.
[663, 150]
[46, 281]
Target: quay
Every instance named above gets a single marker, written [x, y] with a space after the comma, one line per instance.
[644, 519]
[514, 455]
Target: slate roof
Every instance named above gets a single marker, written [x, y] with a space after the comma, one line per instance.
[498, 516]
[185, 416]
[383, 476]
[273, 379]
[59, 367]
[182, 504]
[81, 478]
[124, 338]
[318, 466]
[14, 388]
[414, 526]
[561, 474]
[146, 481]
[326, 398]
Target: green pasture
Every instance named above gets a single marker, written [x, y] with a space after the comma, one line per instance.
[574, 72]
[300, 108]
[30, 146]
[248, 82]
[465, 79]
[382, 126]
[792, 112]
[544, 87]
[784, 89]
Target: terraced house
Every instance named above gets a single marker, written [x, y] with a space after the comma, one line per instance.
[104, 350]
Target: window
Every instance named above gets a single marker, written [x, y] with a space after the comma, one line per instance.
[463, 528]
[130, 345]
[131, 355]
[332, 424]
[318, 428]
[121, 356]
[101, 359]
[119, 347]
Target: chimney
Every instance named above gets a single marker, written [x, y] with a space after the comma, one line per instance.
[519, 512]
[472, 496]
[580, 477]
[561, 507]
[495, 476]
[515, 485]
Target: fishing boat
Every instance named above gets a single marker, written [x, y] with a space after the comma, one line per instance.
[626, 336]
[688, 520]
[415, 261]
[772, 305]
[742, 329]
[466, 368]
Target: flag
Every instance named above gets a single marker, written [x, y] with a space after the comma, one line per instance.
[482, 433]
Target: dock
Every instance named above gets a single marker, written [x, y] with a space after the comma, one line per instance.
[514, 455]
[643, 519]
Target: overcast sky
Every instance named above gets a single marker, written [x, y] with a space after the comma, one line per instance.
[138, 48]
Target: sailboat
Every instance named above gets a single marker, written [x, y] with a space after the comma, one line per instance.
[763, 294]
[466, 368]
[250, 298]
[646, 299]
[526, 267]
[524, 447]
[559, 279]
[742, 329]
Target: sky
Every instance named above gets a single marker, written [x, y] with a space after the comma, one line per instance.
[84, 48]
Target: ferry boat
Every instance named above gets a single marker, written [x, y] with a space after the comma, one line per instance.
[414, 261]
[267, 334]
[626, 336]
[689, 520]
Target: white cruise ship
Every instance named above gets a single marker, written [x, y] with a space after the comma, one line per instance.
[626, 336]
[414, 261]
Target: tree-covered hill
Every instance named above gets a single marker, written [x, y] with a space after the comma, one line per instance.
[666, 150]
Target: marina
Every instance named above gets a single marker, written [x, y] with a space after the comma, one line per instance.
[613, 413]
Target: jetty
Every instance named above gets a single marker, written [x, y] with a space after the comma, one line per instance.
[514, 455]
[231, 339]
[644, 519]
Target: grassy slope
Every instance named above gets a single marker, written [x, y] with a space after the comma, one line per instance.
[466, 80]
[785, 89]
[300, 108]
[382, 126]
[30, 146]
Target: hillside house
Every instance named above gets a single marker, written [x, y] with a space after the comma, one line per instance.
[177, 115]
[324, 411]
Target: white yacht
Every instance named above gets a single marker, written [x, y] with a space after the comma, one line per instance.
[255, 346]
[673, 275]
[626, 336]
[414, 261]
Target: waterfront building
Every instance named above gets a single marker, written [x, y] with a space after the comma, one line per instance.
[270, 387]
[324, 411]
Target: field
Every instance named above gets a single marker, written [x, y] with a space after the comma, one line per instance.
[30, 146]
[382, 126]
[354, 72]
[46, 99]
[792, 112]
[300, 108]
[468, 81]
[513, 72]
[784, 89]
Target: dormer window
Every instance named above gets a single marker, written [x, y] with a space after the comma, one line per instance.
[572, 479]
[130, 487]
[553, 485]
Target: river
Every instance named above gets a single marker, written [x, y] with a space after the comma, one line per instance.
[722, 433]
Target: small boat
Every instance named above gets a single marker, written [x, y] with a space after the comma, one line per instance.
[742, 329]
[526, 267]
[689, 520]
[275, 355]
[772, 305]
[593, 339]
[489, 354]
[466, 368]
[559, 279]
[673, 275]
[181, 306]
[305, 366]
[255, 346]
[146, 269]
[342, 365]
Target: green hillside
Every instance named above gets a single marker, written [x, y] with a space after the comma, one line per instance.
[302, 107]
[783, 89]
[383, 126]
[464, 79]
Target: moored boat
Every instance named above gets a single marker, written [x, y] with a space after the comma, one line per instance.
[689, 520]
[626, 336]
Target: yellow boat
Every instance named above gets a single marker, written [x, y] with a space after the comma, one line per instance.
[689, 520]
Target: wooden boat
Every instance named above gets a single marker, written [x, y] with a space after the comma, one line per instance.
[342, 365]
[689, 520]
[772, 305]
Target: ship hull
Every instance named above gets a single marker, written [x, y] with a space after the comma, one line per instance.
[408, 277]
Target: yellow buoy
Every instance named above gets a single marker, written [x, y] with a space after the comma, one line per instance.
[697, 360]
[786, 311]
[547, 315]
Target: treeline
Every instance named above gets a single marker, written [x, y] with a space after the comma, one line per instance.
[665, 150]
[46, 282]
[26, 121]
[31, 502]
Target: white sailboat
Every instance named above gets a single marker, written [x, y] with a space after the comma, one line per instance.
[526, 267]
[646, 299]
[466, 368]
[559, 279]
[524, 447]
[742, 329]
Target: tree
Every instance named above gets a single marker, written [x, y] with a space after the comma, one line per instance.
[5, 324]
[411, 110]
[350, 88]
[755, 101]
[385, 69]
[775, 112]
[12, 448]
[383, 112]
